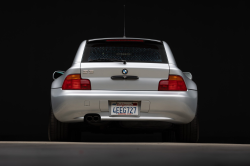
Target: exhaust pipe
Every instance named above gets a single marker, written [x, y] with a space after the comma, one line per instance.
[89, 118]
[96, 119]
[93, 118]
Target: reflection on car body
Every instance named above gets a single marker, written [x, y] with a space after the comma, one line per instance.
[109, 74]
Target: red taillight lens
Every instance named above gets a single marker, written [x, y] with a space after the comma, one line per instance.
[174, 83]
[74, 81]
[85, 84]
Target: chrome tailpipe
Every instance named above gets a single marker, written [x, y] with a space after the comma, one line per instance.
[93, 118]
[96, 118]
[89, 118]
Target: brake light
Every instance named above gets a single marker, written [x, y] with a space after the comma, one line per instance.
[74, 82]
[123, 40]
[174, 83]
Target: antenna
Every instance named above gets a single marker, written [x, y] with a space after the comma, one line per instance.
[124, 22]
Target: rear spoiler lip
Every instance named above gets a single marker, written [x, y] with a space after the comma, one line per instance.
[124, 38]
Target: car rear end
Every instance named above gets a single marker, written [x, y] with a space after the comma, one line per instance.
[124, 80]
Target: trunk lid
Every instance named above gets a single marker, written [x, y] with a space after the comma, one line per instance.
[100, 75]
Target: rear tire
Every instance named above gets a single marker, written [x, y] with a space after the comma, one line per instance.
[168, 136]
[57, 131]
[188, 132]
[75, 131]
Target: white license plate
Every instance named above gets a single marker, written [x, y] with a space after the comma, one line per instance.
[124, 108]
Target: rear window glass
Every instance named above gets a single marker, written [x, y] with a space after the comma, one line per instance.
[129, 50]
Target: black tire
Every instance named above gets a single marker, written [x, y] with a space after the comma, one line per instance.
[57, 131]
[75, 131]
[188, 132]
[168, 136]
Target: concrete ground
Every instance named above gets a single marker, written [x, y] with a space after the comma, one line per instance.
[119, 154]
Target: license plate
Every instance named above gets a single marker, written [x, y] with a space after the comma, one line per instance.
[124, 108]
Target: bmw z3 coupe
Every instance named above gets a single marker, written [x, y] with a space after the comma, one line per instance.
[134, 82]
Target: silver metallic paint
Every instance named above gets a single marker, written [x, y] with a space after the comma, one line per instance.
[188, 74]
[169, 53]
[171, 106]
[149, 75]
[68, 105]
[79, 53]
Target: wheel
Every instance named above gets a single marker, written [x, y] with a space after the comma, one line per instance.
[188, 132]
[75, 131]
[168, 136]
[57, 131]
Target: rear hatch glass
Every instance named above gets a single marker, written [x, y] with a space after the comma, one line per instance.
[125, 49]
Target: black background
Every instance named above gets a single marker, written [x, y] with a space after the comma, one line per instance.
[208, 39]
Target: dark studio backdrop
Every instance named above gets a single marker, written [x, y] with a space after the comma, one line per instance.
[208, 39]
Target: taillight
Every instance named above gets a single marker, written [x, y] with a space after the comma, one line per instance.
[74, 82]
[174, 83]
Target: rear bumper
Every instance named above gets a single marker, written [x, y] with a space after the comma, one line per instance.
[174, 107]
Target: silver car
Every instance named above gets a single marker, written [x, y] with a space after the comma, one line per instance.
[133, 82]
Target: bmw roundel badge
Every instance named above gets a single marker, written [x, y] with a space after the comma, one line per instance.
[124, 71]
